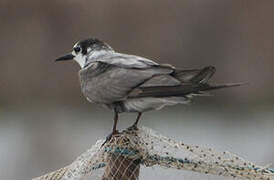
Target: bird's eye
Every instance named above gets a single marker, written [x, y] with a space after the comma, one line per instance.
[77, 49]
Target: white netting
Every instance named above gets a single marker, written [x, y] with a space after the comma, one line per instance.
[120, 158]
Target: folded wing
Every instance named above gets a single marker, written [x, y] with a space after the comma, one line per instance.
[185, 82]
[107, 83]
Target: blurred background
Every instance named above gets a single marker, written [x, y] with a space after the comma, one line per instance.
[45, 121]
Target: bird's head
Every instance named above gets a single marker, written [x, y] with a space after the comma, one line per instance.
[85, 51]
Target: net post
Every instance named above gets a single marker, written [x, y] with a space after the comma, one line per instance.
[121, 168]
[122, 155]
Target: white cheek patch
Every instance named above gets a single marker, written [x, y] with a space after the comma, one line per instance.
[79, 58]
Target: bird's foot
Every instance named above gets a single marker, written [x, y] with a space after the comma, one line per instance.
[108, 138]
[133, 127]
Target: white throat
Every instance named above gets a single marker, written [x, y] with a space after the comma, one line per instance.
[80, 59]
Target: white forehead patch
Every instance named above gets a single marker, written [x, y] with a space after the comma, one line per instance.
[75, 44]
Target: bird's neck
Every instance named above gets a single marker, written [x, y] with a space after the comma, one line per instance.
[99, 53]
[93, 56]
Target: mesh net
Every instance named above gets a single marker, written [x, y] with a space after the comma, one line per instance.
[121, 157]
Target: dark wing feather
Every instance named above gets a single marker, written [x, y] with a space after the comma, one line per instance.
[191, 82]
[181, 90]
[195, 75]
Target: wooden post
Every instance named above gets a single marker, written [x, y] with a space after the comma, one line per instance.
[121, 168]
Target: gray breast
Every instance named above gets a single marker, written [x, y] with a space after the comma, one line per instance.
[90, 78]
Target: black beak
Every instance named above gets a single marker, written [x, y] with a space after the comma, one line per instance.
[65, 57]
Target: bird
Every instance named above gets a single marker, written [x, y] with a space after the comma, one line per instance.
[130, 83]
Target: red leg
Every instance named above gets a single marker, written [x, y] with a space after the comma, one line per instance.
[114, 130]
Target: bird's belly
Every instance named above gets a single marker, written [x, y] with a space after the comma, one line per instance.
[95, 95]
[151, 103]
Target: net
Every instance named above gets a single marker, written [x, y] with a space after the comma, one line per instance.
[121, 157]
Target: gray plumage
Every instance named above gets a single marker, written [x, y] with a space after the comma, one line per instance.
[118, 87]
[142, 86]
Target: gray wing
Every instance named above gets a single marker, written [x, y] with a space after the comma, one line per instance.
[170, 89]
[107, 83]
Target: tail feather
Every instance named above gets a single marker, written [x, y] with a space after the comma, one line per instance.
[204, 75]
[220, 86]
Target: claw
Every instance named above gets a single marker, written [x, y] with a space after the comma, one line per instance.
[108, 138]
[133, 127]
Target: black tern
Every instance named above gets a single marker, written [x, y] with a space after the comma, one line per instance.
[129, 83]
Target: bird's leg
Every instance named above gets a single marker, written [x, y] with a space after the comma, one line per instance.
[137, 119]
[116, 117]
[134, 126]
[114, 130]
